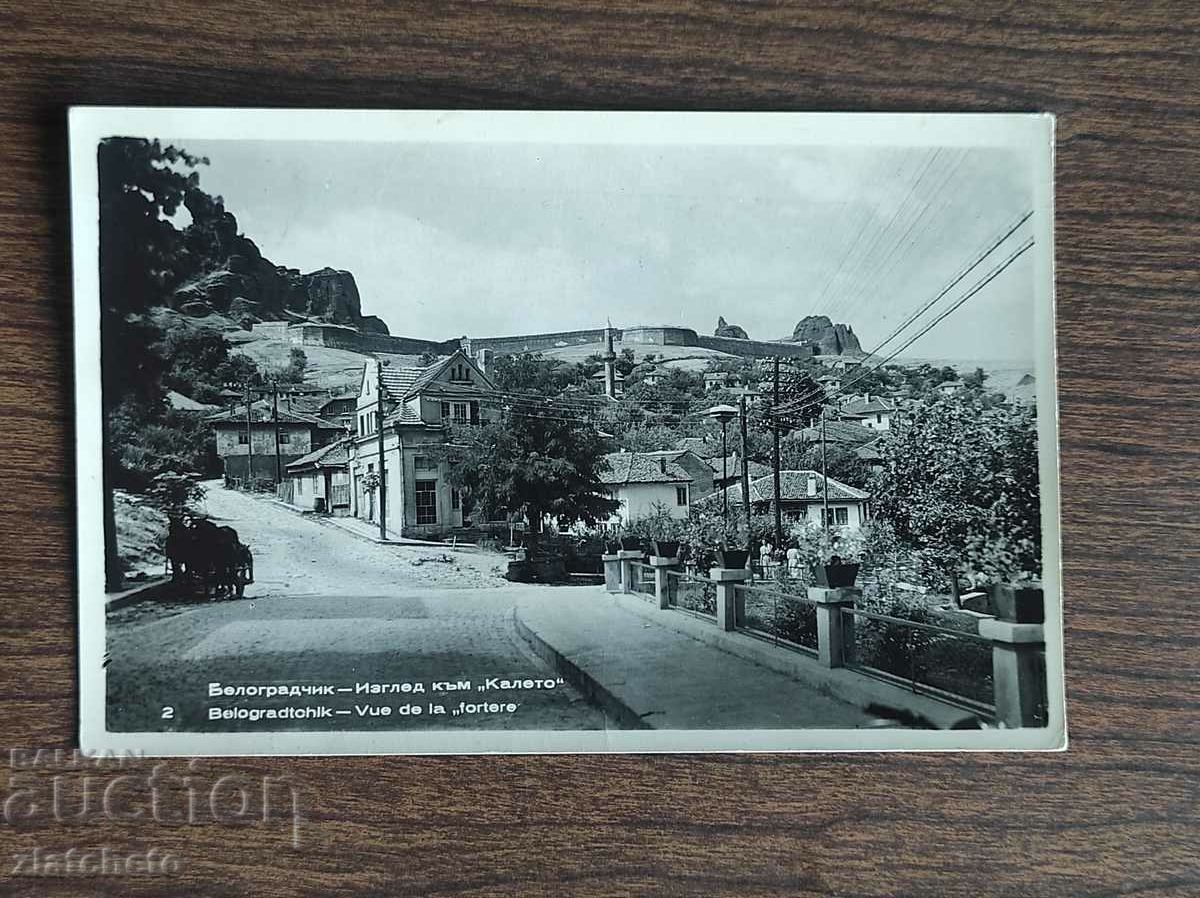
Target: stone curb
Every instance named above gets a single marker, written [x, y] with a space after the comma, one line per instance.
[589, 686]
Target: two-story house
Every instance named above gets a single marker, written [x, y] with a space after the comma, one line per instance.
[872, 412]
[246, 440]
[400, 475]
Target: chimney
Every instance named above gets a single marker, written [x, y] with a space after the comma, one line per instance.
[812, 485]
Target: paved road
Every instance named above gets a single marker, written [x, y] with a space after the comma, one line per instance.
[330, 609]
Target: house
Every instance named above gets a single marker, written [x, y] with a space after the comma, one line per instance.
[413, 405]
[719, 380]
[869, 452]
[320, 481]
[848, 433]
[831, 382]
[802, 498]
[950, 387]
[339, 408]
[246, 438]
[869, 411]
[647, 483]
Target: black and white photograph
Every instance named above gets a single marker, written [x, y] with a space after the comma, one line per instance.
[468, 432]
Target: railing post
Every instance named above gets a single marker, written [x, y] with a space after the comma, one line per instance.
[612, 572]
[662, 587]
[626, 558]
[730, 606]
[835, 631]
[1018, 671]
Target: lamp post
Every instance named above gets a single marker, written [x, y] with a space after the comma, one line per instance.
[724, 414]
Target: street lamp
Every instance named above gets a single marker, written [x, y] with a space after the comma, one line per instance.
[724, 414]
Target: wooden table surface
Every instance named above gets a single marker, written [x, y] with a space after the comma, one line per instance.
[1115, 815]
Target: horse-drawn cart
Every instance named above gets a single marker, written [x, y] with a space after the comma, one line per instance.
[208, 557]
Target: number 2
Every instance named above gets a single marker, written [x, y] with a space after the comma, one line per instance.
[168, 713]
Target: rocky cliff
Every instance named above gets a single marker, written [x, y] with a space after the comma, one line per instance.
[829, 338]
[245, 285]
[724, 329]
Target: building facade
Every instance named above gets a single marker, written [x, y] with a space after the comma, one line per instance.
[401, 418]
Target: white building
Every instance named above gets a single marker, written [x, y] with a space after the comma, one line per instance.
[647, 483]
[416, 405]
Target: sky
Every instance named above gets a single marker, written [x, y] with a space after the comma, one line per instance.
[493, 239]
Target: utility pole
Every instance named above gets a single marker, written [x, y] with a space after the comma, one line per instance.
[775, 460]
[382, 474]
[275, 419]
[746, 474]
[249, 442]
[824, 477]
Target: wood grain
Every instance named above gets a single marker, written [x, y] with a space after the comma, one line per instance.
[1116, 815]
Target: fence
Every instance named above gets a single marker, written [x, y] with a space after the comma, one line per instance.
[952, 665]
[996, 670]
[781, 618]
[642, 580]
[285, 491]
[692, 595]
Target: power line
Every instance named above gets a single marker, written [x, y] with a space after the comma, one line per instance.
[991, 276]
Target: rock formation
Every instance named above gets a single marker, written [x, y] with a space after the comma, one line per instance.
[829, 338]
[244, 284]
[724, 329]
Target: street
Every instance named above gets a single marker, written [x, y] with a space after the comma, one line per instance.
[328, 609]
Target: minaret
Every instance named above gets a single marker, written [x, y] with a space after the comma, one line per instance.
[610, 369]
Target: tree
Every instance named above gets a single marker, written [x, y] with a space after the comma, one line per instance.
[531, 372]
[544, 465]
[959, 486]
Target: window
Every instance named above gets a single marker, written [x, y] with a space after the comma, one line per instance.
[424, 463]
[243, 438]
[445, 410]
[460, 412]
[838, 517]
[455, 500]
[460, 374]
[426, 495]
[878, 417]
[299, 486]
[285, 436]
[681, 495]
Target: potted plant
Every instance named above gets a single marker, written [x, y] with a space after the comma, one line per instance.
[838, 563]
[663, 532]
[734, 559]
[612, 546]
[1019, 603]
[631, 542]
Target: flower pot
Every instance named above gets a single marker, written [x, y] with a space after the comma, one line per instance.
[666, 548]
[631, 543]
[732, 559]
[611, 547]
[1018, 604]
[835, 576]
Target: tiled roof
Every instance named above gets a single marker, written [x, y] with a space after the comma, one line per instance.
[702, 447]
[262, 412]
[333, 455]
[793, 487]
[404, 381]
[840, 432]
[643, 467]
[403, 414]
[869, 407]
[399, 381]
